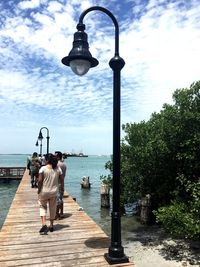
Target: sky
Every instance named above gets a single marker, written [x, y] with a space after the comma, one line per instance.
[159, 41]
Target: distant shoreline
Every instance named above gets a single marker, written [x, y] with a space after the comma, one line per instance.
[15, 154]
[18, 154]
[76, 156]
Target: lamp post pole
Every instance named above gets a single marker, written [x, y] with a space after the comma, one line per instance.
[80, 60]
[40, 137]
[36, 144]
[41, 147]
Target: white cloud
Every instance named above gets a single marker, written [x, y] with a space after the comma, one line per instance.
[159, 42]
[54, 6]
[160, 54]
[29, 4]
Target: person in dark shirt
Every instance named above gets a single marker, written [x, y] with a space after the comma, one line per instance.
[60, 206]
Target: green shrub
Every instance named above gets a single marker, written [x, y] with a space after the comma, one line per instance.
[106, 179]
[179, 220]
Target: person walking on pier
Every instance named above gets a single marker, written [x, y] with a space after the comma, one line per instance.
[50, 176]
[34, 166]
[62, 165]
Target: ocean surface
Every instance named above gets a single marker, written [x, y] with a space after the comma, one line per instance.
[89, 200]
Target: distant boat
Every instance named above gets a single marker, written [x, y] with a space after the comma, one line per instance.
[80, 155]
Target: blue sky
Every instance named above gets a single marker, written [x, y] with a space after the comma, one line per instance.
[159, 41]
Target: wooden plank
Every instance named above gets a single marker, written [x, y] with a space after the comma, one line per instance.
[76, 241]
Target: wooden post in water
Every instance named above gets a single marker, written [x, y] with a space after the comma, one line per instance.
[85, 183]
[105, 195]
[145, 209]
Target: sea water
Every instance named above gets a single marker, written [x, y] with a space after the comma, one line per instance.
[88, 199]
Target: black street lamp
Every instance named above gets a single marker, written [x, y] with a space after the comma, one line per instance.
[81, 60]
[40, 137]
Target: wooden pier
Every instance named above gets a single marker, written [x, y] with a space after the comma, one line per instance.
[11, 173]
[76, 241]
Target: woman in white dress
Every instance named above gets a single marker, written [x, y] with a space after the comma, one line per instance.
[50, 176]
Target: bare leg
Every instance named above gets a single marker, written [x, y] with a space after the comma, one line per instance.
[51, 223]
[61, 209]
[44, 228]
[57, 212]
[43, 220]
[43, 211]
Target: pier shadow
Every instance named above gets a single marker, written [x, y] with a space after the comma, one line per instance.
[58, 227]
[169, 248]
[66, 215]
[98, 242]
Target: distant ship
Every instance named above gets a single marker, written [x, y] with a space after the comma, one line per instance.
[80, 155]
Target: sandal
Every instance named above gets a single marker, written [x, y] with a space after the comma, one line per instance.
[51, 229]
[43, 230]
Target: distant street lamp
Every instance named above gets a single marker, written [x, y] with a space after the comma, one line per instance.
[80, 60]
[37, 144]
[40, 137]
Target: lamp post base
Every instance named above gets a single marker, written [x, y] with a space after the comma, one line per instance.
[113, 260]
